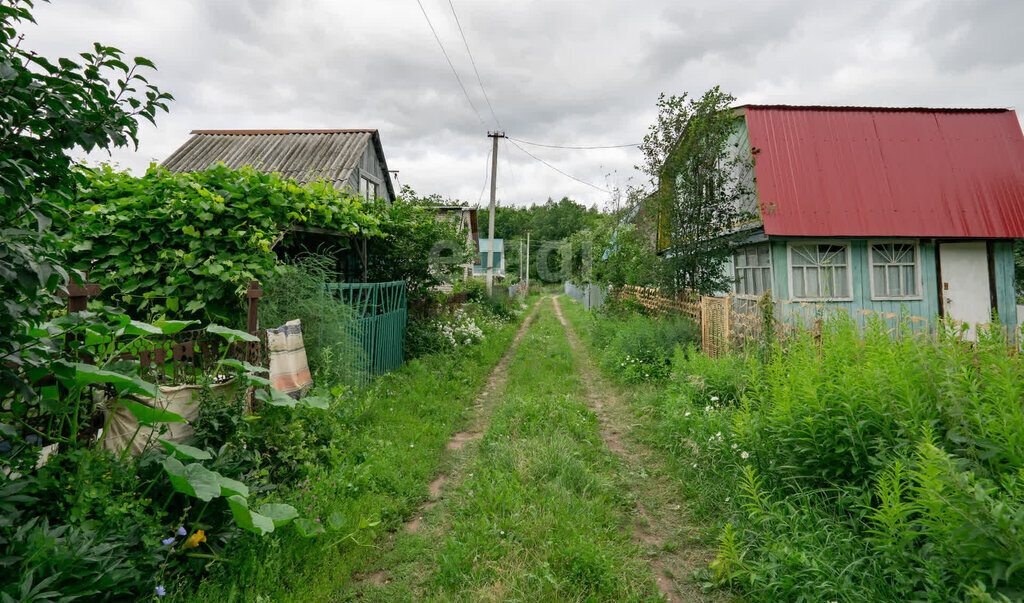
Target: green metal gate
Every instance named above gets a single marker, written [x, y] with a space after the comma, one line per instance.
[380, 317]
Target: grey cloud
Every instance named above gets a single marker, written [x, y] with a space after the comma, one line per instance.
[568, 72]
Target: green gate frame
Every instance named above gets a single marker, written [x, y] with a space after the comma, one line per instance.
[380, 318]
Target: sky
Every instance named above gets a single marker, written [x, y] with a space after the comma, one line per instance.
[557, 72]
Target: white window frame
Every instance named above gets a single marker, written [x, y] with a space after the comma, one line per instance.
[771, 268]
[365, 179]
[917, 269]
[849, 268]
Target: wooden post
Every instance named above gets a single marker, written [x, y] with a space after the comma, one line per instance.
[253, 294]
[78, 296]
[727, 326]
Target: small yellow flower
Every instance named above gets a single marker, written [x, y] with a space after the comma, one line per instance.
[194, 540]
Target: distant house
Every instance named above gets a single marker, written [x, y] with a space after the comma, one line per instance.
[883, 208]
[480, 267]
[349, 160]
[465, 220]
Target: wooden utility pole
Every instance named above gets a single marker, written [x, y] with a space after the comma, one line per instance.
[494, 136]
[520, 258]
[527, 262]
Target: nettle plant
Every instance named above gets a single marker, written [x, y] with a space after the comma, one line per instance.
[187, 245]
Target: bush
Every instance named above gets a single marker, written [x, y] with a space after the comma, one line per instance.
[856, 467]
[297, 291]
[637, 348]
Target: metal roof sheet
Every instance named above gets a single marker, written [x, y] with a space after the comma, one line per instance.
[852, 171]
[303, 155]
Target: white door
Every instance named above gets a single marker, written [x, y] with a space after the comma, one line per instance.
[965, 286]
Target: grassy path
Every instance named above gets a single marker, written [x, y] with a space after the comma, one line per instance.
[535, 509]
[674, 546]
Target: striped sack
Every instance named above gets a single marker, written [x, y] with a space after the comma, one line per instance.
[289, 370]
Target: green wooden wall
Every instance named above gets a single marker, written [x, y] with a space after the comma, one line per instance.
[927, 307]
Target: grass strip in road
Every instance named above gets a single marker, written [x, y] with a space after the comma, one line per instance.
[540, 512]
[396, 431]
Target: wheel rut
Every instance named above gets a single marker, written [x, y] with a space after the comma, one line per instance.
[658, 525]
[483, 408]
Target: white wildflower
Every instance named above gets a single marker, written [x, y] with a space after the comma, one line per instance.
[745, 454]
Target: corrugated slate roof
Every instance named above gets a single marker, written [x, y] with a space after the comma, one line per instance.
[304, 155]
[856, 171]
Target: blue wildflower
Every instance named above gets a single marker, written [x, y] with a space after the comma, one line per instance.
[167, 541]
[182, 531]
[160, 591]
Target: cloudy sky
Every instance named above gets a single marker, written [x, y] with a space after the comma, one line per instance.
[571, 73]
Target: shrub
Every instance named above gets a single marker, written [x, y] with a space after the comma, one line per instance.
[856, 467]
[297, 291]
[637, 348]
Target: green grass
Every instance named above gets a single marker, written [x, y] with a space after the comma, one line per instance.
[395, 434]
[538, 511]
[854, 466]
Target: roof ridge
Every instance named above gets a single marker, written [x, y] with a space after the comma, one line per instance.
[260, 132]
[875, 108]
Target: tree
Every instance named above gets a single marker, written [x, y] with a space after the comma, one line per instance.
[47, 110]
[416, 245]
[692, 161]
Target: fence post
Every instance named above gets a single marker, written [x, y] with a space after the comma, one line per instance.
[78, 296]
[727, 325]
[253, 294]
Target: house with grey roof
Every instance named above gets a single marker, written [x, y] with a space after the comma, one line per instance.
[348, 160]
[351, 160]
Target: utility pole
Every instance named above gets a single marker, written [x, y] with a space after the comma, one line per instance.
[494, 136]
[520, 258]
[527, 263]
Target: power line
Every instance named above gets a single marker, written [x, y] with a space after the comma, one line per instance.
[594, 186]
[473, 62]
[555, 146]
[446, 57]
[487, 176]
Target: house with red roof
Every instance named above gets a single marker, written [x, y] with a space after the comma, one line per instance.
[884, 209]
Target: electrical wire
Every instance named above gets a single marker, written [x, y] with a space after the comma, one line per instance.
[576, 148]
[487, 177]
[450, 64]
[473, 62]
[570, 176]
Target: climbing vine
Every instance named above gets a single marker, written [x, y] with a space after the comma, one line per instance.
[187, 245]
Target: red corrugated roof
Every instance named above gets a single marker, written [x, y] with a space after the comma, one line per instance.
[854, 171]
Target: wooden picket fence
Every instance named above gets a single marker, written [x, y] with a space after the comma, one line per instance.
[736, 321]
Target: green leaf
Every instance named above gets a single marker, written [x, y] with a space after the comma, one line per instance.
[194, 479]
[144, 62]
[281, 514]
[320, 402]
[151, 416]
[247, 519]
[232, 335]
[140, 328]
[230, 487]
[308, 528]
[278, 398]
[243, 366]
[183, 451]
[256, 379]
[86, 374]
[170, 327]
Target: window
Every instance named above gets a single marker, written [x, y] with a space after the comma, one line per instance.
[752, 268]
[368, 189]
[894, 273]
[819, 271]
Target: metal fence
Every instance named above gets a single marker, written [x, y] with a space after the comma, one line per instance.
[380, 316]
[591, 296]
